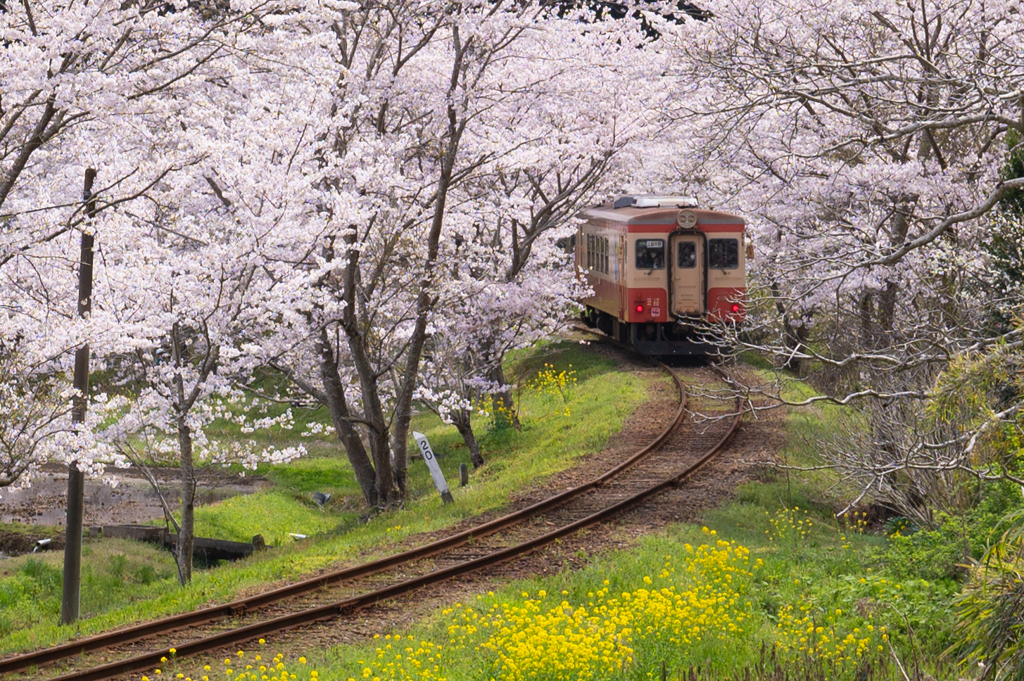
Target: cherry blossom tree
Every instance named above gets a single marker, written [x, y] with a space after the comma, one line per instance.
[864, 141]
[33, 414]
[425, 120]
[87, 70]
[486, 319]
[289, 183]
[510, 285]
[195, 292]
[145, 94]
[180, 340]
[96, 84]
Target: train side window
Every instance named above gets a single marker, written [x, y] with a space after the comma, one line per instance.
[686, 254]
[597, 259]
[723, 254]
[650, 254]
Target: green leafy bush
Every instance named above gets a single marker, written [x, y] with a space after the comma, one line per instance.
[928, 554]
[990, 610]
[946, 552]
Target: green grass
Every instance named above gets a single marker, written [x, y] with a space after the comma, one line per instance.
[549, 442]
[313, 474]
[118, 569]
[274, 515]
[289, 507]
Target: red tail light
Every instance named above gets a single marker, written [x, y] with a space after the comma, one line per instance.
[639, 308]
[735, 307]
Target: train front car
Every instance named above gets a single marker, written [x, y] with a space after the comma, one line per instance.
[664, 273]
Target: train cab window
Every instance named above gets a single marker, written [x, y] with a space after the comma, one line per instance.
[723, 254]
[650, 254]
[567, 244]
[686, 254]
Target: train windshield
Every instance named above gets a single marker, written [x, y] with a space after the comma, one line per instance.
[650, 254]
[723, 254]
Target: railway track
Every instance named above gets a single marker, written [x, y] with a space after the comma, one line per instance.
[665, 462]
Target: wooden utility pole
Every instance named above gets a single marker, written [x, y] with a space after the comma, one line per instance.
[71, 599]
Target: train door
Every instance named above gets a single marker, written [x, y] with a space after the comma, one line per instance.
[687, 258]
[620, 274]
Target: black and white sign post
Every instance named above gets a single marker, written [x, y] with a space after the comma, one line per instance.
[435, 470]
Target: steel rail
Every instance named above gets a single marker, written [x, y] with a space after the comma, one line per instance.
[349, 605]
[241, 606]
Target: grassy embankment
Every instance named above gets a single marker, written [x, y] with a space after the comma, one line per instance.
[125, 582]
[772, 583]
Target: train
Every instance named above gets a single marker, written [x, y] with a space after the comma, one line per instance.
[664, 273]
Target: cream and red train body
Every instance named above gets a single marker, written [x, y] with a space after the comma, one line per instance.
[663, 272]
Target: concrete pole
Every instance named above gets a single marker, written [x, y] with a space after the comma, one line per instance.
[71, 596]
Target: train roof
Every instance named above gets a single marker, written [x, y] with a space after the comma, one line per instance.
[656, 210]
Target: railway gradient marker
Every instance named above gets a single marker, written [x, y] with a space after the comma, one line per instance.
[435, 469]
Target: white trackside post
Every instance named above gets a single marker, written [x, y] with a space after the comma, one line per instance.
[435, 470]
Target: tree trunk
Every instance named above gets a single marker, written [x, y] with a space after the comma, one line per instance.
[794, 337]
[887, 300]
[504, 404]
[388, 493]
[186, 531]
[424, 301]
[866, 316]
[183, 404]
[343, 425]
[463, 424]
